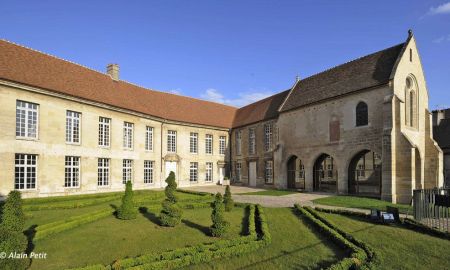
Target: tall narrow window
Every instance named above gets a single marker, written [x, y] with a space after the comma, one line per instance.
[209, 144]
[193, 172]
[411, 103]
[104, 131]
[251, 141]
[269, 172]
[128, 135]
[209, 172]
[238, 171]
[25, 171]
[103, 172]
[73, 127]
[72, 172]
[127, 170]
[222, 145]
[268, 137]
[27, 119]
[148, 171]
[238, 142]
[149, 138]
[193, 143]
[172, 141]
[362, 117]
[412, 106]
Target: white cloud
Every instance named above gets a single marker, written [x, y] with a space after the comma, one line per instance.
[442, 39]
[175, 91]
[441, 9]
[244, 98]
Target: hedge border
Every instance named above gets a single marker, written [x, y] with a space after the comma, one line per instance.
[199, 193]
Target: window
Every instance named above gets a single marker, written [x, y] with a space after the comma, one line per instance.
[103, 172]
[268, 133]
[128, 135]
[193, 172]
[193, 140]
[72, 172]
[127, 170]
[362, 118]
[209, 144]
[412, 106]
[148, 171]
[25, 171]
[269, 172]
[251, 141]
[238, 142]
[238, 171]
[73, 127]
[209, 172]
[26, 119]
[411, 103]
[222, 145]
[172, 141]
[104, 131]
[410, 55]
[149, 138]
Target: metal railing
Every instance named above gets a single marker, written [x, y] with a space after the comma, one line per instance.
[432, 207]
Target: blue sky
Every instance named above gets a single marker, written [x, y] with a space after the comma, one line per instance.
[233, 52]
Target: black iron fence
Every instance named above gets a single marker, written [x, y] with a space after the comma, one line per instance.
[432, 207]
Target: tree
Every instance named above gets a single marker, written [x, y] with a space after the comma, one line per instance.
[127, 210]
[12, 238]
[227, 200]
[171, 213]
[220, 225]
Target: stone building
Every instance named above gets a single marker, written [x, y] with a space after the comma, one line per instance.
[361, 128]
[441, 133]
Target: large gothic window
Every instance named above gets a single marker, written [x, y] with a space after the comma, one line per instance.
[411, 103]
[362, 117]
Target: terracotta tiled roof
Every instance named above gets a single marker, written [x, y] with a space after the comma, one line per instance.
[259, 111]
[368, 71]
[33, 68]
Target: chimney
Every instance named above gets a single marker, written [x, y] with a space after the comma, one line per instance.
[113, 71]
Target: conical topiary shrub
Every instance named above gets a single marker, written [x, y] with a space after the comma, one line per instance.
[12, 239]
[171, 213]
[219, 226]
[227, 200]
[127, 210]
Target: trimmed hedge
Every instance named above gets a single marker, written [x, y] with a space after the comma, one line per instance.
[342, 212]
[127, 209]
[219, 225]
[418, 227]
[199, 193]
[261, 225]
[93, 267]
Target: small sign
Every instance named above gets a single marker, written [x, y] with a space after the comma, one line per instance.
[387, 217]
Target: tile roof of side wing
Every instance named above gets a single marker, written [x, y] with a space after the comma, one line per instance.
[26, 66]
[365, 72]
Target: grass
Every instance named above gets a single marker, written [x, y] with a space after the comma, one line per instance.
[361, 202]
[270, 192]
[294, 246]
[397, 247]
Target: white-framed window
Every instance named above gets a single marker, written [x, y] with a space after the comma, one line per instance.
[238, 142]
[103, 172]
[238, 171]
[128, 135]
[209, 172]
[209, 144]
[27, 119]
[72, 172]
[171, 141]
[222, 145]
[104, 131]
[268, 137]
[149, 138]
[25, 175]
[268, 172]
[148, 171]
[193, 172]
[73, 127]
[251, 141]
[193, 143]
[127, 170]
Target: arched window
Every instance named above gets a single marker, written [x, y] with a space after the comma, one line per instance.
[411, 103]
[362, 117]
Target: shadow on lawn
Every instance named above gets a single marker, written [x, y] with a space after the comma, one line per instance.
[30, 233]
[244, 223]
[149, 215]
[199, 227]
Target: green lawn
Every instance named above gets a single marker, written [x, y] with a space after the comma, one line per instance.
[398, 248]
[360, 202]
[270, 192]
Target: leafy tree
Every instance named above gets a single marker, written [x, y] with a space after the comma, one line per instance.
[127, 210]
[227, 200]
[12, 238]
[171, 213]
[220, 225]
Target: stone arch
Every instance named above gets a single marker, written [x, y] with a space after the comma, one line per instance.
[291, 169]
[411, 101]
[325, 174]
[364, 174]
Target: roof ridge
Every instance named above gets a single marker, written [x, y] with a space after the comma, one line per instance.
[264, 99]
[105, 74]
